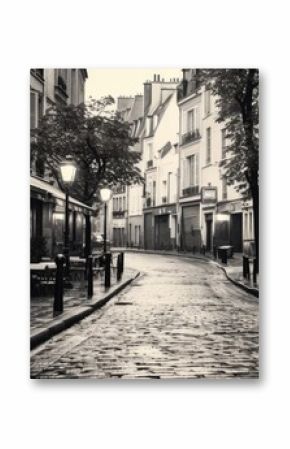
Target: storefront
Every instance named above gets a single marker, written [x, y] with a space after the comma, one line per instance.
[190, 227]
[160, 228]
[47, 220]
[230, 229]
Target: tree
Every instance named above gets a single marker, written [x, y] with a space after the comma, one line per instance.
[96, 138]
[237, 99]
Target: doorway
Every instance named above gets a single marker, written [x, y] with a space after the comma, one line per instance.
[162, 232]
[208, 225]
[236, 232]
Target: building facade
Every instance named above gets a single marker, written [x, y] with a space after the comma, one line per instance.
[47, 201]
[212, 213]
[160, 156]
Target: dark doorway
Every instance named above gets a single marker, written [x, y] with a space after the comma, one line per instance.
[236, 232]
[208, 222]
[148, 240]
[162, 232]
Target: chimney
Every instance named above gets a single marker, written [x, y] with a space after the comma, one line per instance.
[147, 95]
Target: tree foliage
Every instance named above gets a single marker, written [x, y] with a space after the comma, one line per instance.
[237, 99]
[237, 94]
[96, 138]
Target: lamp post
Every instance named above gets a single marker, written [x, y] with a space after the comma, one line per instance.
[68, 172]
[105, 197]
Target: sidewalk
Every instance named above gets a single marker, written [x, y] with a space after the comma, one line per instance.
[233, 270]
[76, 305]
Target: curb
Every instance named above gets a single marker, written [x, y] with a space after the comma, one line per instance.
[72, 317]
[251, 290]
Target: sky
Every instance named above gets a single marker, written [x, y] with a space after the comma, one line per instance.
[123, 81]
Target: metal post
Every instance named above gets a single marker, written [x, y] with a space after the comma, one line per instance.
[90, 276]
[107, 270]
[119, 273]
[58, 287]
[245, 274]
[105, 229]
[255, 270]
[122, 261]
[66, 235]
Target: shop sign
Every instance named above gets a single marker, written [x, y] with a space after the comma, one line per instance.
[165, 210]
[208, 194]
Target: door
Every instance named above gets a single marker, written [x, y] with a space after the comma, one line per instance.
[208, 222]
[162, 232]
[236, 232]
[148, 238]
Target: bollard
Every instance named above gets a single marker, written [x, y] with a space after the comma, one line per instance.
[119, 267]
[122, 262]
[58, 286]
[107, 270]
[244, 267]
[90, 276]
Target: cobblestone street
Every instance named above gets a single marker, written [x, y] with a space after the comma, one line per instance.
[180, 319]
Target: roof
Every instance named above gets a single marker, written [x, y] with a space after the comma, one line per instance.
[39, 184]
[137, 109]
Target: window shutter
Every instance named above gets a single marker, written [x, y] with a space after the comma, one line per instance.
[197, 169]
[33, 110]
[197, 126]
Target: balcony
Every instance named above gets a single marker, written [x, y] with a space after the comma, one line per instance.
[164, 199]
[190, 191]
[192, 136]
[150, 163]
[118, 213]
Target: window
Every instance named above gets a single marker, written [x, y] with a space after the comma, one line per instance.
[124, 203]
[246, 224]
[224, 189]
[250, 225]
[193, 120]
[154, 193]
[169, 188]
[190, 120]
[207, 102]
[208, 145]
[35, 109]
[191, 171]
[224, 144]
[148, 126]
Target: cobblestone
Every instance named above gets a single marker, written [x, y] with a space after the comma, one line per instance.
[180, 319]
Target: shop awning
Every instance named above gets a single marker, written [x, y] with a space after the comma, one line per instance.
[43, 188]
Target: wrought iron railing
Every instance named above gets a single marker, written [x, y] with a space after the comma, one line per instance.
[190, 191]
[190, 136]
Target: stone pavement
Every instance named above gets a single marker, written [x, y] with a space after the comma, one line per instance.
[233, 269]
[180, 319]
[43, 324]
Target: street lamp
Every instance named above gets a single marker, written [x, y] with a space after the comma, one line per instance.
[68, 172]
[105, 197]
